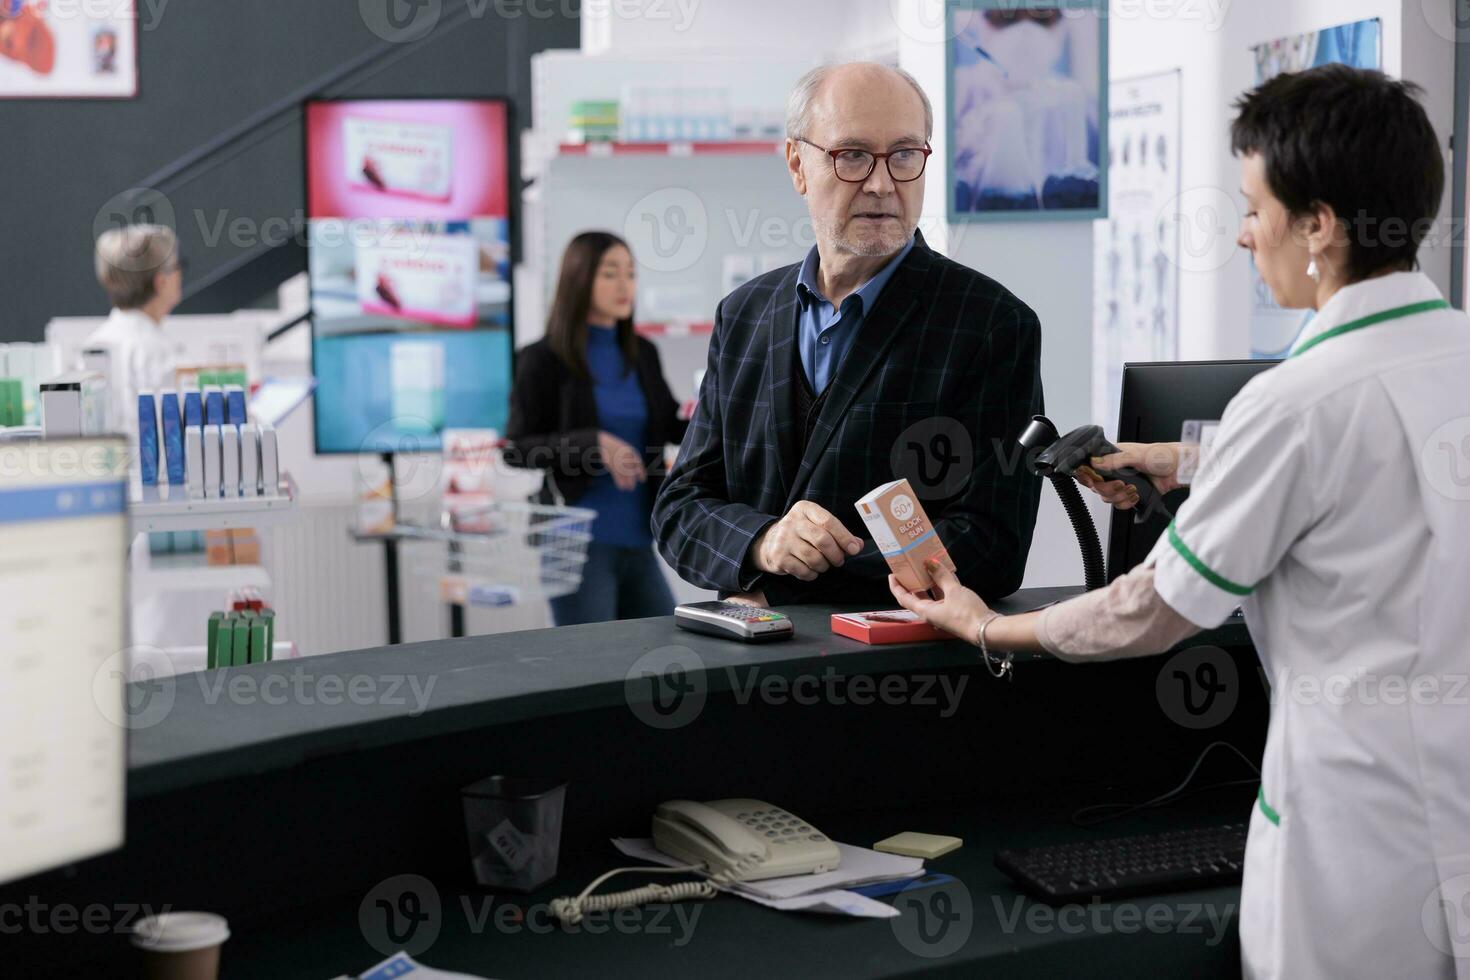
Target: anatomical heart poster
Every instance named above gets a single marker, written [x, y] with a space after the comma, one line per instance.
[68, 49]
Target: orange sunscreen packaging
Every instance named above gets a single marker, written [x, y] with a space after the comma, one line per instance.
[903, 533]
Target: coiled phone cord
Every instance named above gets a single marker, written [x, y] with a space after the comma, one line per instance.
[571, 909]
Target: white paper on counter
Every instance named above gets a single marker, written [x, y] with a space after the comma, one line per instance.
[836, 901]
[824, 892]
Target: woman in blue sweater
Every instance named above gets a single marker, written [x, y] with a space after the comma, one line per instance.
[590, 406]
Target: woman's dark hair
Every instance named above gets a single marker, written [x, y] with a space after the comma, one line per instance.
[566, 326]
[1358, 141]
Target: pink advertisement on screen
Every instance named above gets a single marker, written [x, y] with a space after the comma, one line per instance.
[406, 159]
[426, 280]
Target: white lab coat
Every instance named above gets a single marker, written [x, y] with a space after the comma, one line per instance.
[1335, 508]
[141, 360]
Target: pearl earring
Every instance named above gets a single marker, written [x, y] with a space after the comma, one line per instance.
[1313, 272]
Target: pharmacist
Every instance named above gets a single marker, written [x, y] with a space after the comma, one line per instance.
[138, 267]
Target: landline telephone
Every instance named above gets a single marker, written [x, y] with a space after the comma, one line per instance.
[728, 840]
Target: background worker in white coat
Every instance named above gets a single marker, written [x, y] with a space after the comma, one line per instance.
[138, 266]
[1335, 508]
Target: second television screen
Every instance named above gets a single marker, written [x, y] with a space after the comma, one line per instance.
[408, 208]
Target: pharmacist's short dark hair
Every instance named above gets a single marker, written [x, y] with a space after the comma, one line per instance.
[1356, 140]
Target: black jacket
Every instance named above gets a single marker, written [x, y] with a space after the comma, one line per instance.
[553, 422]
[947, 358]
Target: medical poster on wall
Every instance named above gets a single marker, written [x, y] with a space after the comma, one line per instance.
[1135, 313]
[1027, 109]
[1360, 45]
[68, 50]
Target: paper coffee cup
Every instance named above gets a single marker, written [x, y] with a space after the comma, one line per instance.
[181, 945]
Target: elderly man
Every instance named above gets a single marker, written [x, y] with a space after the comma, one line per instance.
[817, 370]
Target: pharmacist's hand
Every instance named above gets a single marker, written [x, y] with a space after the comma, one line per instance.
[806, 542]
[622, 461]
[749, 599]
[954, 608]
[1159, 461]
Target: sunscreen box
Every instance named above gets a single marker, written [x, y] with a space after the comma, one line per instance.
[409, 159]
[902, 532]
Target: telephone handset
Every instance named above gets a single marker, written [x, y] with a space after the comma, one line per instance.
[728, 840]
[742, 840]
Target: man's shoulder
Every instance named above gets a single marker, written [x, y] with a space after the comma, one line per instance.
[755, 295]
[978, 297]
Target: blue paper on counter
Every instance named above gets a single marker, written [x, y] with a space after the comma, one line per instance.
[894, 887]
[403, 965]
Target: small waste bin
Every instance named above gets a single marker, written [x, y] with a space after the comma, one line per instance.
[513, 825]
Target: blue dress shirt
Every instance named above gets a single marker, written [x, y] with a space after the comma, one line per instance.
[824, 334]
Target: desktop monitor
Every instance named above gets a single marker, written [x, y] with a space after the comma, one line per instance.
[1158, 398]
[63, 735]
[409, 236]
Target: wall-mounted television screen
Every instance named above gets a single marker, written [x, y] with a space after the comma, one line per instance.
[408, 232]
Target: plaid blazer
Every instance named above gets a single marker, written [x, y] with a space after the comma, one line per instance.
[942, 377]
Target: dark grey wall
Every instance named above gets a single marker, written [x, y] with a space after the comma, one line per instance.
[204, 67]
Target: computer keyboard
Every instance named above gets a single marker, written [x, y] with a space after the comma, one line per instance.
[1121, 866]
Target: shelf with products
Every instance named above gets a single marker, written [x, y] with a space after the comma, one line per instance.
[675, 329]
[690, 104]
[189, 573]
[615, 148]
[171, 508]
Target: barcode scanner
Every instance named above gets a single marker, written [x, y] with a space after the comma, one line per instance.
[1057, 457]
[1077, 448]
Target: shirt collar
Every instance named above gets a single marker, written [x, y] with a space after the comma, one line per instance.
[1367, 298]
[867, 293]
[130, 316]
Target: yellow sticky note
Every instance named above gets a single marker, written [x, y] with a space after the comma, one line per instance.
[911, 844]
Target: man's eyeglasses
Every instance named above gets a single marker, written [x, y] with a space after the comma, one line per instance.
[855, 166]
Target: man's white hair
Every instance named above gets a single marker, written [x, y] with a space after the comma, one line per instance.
[804, 95]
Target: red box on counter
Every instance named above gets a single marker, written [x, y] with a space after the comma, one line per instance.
[887, 626]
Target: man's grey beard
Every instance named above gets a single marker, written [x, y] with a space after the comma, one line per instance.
[885, 244]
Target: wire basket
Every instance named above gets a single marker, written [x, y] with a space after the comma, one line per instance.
[506, 553]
